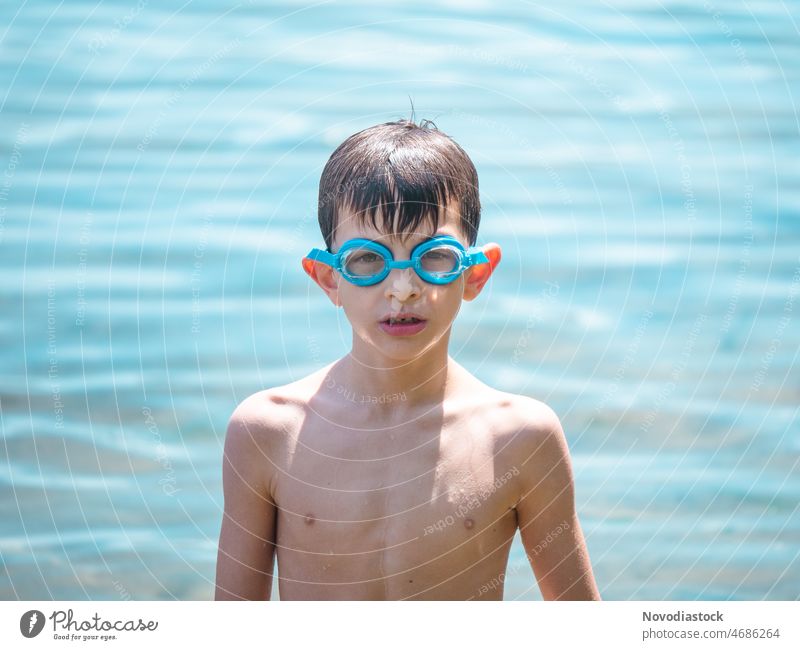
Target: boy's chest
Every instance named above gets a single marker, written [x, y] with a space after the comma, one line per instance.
[394, 500]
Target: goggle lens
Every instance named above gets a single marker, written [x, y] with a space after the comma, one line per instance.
[439, 261]
[363, 263]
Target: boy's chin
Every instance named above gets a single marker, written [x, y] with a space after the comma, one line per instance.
[399, 348]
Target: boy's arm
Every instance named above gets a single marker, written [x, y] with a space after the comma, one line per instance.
[247, 539]
[548, 523]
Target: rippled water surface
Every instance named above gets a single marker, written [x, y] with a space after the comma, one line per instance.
[158, 174]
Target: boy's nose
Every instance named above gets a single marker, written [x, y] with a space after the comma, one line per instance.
[403, 285]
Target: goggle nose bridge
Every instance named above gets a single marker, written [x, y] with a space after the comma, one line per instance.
[399, 264]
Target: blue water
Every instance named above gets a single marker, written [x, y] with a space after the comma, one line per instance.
[158, 174]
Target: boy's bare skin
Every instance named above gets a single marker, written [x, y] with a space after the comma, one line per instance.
[393, 473]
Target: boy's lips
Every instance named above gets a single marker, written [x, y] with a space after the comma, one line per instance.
[404, 323]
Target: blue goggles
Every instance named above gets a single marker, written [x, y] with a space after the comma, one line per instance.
[364, 262]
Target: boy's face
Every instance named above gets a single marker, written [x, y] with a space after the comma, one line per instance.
[402, 291]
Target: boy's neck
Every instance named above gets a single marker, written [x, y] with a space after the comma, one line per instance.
[389, 385]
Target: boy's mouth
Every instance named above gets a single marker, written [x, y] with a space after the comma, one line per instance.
[403, 324]
[403, 319]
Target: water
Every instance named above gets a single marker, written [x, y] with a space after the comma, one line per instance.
[638, 165]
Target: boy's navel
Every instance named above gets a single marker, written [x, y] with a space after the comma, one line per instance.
[309, 519]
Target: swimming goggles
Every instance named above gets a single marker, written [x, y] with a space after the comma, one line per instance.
[364, 262]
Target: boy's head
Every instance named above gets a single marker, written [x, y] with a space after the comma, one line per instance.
[403, 170]
[399, 184]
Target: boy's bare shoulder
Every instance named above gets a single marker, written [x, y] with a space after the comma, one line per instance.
[268, 412]
[525, 422]
[276, 411]
[536, 438]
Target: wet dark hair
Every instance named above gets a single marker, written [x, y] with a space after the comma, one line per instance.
[408, 171]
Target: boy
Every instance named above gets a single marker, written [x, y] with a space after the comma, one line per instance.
[393, 473]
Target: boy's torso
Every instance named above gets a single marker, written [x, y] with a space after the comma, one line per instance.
[399, 508]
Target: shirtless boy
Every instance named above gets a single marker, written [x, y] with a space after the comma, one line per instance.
[393, 473]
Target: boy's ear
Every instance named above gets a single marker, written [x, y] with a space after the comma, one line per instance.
[479, 275]
[324, 276]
